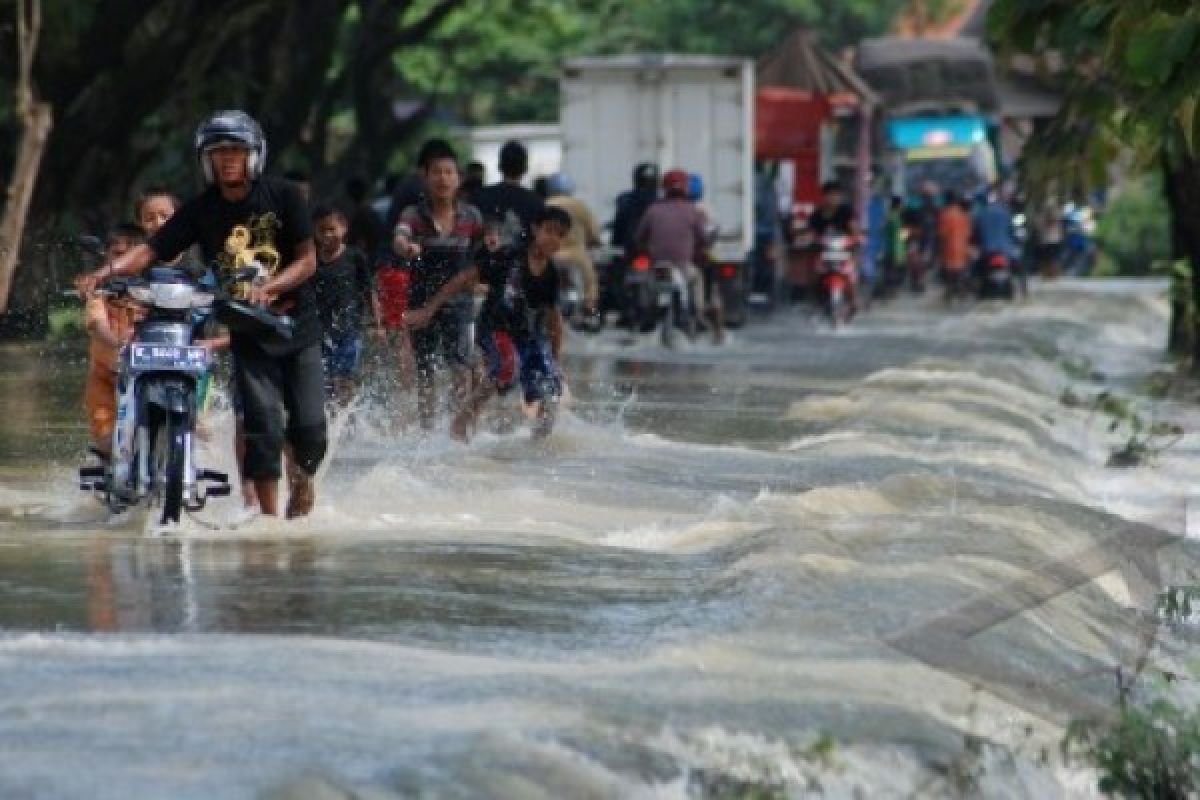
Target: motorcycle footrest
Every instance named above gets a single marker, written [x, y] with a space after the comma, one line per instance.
[92, 486]
[219, 490]
[86, 473]
[212, 476]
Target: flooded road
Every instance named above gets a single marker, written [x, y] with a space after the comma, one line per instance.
[883, 562]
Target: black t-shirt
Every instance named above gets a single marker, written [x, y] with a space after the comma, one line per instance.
[266, 227]
[517, 300]
[515, 206]
[343, 289]
[366, 232]
[631, 206]
[840, 220]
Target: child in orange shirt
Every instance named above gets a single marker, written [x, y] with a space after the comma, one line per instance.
[110, 324]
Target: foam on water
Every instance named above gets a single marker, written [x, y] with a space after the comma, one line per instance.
[615, 612]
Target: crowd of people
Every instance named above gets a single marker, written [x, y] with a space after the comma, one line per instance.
[455, 280]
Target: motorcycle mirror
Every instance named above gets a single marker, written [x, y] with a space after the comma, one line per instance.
[91, 244]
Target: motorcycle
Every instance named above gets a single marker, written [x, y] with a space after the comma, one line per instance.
[570, 302]
[835, 275]
[159, 373]
[658, 296]
[997, 279]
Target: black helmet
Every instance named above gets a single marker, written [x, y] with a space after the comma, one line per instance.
[237, 127]
[645, 175]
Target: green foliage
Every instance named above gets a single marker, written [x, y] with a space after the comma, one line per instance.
[497, 62]
[1179, 603]
[749, 29]
[1133, 230]
[1130, 71]
[1150, 751]
[1146, 439]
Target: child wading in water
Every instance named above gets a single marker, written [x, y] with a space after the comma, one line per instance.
[520, 329]
[345, 292]
[110, 323]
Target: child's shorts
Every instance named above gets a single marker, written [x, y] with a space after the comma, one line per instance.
[529, 359]
[392, 285]
[341, 355]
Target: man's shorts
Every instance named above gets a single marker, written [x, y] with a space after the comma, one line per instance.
[447, 335]
[529, 359]
[341, 355]
[392, 286]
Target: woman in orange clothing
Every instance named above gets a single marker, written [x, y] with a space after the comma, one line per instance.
[954, 232]
[110, 323]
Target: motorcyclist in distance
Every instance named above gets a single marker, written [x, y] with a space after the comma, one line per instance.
[835, 216]
[631, 205]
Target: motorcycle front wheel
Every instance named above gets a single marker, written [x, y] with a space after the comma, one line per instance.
[168, 462]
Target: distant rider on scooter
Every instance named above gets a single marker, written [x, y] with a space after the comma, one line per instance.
[671, 232]
[835, 216]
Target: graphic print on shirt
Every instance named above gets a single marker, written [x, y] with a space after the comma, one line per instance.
[252, 245]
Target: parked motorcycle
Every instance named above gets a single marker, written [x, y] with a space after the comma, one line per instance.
[153, 448]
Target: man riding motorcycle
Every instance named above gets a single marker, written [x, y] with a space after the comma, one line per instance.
[994, 233]
[671, 232]
[835, 216]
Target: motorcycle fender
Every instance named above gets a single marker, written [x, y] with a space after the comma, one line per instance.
[173, 395]
[836, 282]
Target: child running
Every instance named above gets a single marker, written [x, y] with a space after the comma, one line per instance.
[344, 292]
[520, 330]
[109, 322]
[439, 236]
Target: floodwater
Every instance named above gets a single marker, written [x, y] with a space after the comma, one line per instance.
[880, 562]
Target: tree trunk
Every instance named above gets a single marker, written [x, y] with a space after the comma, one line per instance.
[1179, 328]
[1182, 187]
[35, 119]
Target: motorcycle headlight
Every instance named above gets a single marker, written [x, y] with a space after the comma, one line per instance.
[173, 296]
[143, 294]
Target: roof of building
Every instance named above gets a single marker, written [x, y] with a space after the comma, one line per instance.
[799, 62]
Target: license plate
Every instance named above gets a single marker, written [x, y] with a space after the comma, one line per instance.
[159, 356]
[664, 298]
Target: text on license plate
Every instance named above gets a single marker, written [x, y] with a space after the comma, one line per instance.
[168, 357]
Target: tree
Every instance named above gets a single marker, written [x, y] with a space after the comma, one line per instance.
[1131, 73]
[35, 120]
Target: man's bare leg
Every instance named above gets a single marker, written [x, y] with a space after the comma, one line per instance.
[249, 494]
[464, 420]
[267, 491]
[426, 398]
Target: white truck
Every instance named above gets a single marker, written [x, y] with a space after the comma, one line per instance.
[691, 112]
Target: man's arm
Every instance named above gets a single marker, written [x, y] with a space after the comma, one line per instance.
[290, 277]
[132, 263]
[642, 235]
[419, 317]
[554, 329]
